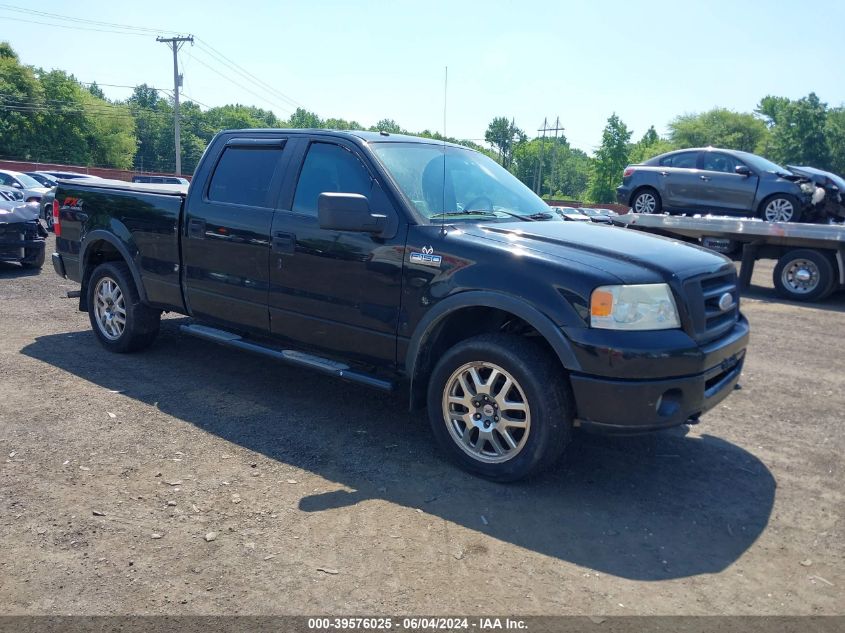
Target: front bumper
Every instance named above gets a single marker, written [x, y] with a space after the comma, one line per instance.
[20, 250]
[635, 404]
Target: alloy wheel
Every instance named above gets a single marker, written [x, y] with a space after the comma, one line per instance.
[645, 203]
[486, 412]
[779, 210]
[110, 308]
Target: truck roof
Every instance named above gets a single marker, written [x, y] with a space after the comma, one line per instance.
[366, 136]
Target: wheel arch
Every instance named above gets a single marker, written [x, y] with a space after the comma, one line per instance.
[475, 312]
[101, 246]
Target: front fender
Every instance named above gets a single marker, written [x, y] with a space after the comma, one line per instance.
[490, 299]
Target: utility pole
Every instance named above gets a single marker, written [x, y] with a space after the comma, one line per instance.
[175, 43]
[544, 129]
[542, 156]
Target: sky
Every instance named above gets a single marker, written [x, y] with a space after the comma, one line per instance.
[647, 61]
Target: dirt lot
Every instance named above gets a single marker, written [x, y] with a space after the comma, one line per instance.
[328, 498]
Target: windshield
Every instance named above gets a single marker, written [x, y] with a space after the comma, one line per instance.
[761, 164]
[475, 185]
[28, 181]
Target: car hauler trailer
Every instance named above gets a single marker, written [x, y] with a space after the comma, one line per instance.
[811, 257]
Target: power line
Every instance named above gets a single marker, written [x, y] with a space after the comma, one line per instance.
[241, 86]
[208, 48]
[73, 27]
[69, 18]
[126, 29]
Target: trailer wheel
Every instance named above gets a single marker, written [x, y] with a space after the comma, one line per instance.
[804, 275]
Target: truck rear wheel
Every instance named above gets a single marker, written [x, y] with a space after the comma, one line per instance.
[500, 406]
[121, 322]
[804, 275]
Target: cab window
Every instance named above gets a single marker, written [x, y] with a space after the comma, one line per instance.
[329, 168]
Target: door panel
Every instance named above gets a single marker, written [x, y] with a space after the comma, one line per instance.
[226, 240]
[682, 186]
[725, 189]
[335, 291]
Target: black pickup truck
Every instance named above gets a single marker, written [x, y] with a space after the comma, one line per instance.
[404, 263]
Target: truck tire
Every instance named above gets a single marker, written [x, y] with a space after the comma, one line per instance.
[37, 259]
[646, 200]
[804, 275]
[500, 406]
[121, 322]
[781, 207]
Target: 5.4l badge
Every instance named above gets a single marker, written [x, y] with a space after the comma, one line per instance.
[426, 257]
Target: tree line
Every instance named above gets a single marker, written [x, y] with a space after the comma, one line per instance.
[49, 116]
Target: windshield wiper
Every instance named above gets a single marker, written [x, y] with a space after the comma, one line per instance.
[492, 214]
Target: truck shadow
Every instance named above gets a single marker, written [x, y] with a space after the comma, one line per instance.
[9, 270]
[653, 507]
[833, 303]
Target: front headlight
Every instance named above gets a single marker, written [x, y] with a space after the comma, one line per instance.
[639, 307]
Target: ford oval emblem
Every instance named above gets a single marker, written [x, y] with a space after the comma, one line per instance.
[726, 302]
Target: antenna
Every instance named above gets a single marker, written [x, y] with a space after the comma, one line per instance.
[445, 91]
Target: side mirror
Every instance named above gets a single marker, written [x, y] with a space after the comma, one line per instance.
[348, 212]
[17, 185]
[742, 170]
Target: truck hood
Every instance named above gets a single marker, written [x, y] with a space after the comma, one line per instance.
[627, 254]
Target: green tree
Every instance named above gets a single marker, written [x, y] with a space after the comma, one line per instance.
[611, 159]
[21, 102]
[770, 108]
[503, 135]
[720, 128]
[835, 133]
[648, 146]
[799, 133]
[388, 125]
[303, 119]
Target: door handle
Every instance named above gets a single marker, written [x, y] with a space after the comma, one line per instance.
[284, 242]
[705, 178]
[664, 173]
[196, 228]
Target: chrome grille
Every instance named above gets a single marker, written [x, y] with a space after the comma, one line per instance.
[709, 319]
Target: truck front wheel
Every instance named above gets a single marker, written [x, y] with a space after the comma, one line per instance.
[500, 406]
[121, 322]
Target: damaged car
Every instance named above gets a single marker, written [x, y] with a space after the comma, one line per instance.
[725, 182]
[827, 193]
[22, 234]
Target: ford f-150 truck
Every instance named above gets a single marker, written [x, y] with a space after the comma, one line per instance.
[405, 263]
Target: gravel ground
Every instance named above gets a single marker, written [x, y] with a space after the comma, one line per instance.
[194, 479]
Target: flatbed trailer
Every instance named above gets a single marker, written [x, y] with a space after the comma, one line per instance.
[811, 257]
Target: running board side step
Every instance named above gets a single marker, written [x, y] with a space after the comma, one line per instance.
[289, 356]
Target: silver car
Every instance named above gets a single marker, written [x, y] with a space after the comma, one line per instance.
[31, 189]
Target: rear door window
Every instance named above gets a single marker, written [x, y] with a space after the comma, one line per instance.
[244, 176]
[684, 160]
